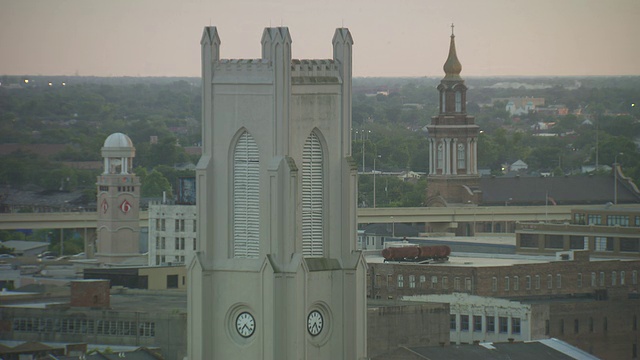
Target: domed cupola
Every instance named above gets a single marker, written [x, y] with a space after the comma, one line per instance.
[118, 153]
[452, 66]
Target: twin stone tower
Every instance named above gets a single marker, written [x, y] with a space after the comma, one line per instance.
[277, 275]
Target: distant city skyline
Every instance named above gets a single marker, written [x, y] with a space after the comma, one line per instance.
[403, 38]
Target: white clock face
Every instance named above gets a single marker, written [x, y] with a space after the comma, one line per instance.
[245, 324]
[315, 322]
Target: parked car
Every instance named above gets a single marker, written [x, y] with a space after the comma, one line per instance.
[47, 253]
[47, 258]
[79, 256]
[6, 256]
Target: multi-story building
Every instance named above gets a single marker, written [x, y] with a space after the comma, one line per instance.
[172, 233]
[608, 231]
[592, 304]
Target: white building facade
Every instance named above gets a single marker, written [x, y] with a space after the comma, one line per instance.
[486, 319]
[172, 234]
[277, 274]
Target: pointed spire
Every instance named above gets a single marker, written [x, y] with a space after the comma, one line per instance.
[452, 66]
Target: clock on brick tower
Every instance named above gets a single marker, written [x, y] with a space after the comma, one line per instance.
[278, 275]
[453, 142]
[118, 225]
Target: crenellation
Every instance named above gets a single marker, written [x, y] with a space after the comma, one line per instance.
[326, 68]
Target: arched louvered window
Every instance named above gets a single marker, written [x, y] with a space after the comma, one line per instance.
[246, 197]
[458, 101]
[312, 198]
[440, 156]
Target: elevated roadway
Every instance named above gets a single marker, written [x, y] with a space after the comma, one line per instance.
[79, 220]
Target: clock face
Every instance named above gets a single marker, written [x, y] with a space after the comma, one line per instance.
[125, 206]
[315, 322]
[245, 324]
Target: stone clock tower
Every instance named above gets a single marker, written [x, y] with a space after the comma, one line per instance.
[453, 142]
[118, 225]
[277, 275]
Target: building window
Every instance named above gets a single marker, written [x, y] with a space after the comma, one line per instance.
[528, 282]
[578, 218]
[559, 281]
[400, 281]
[515, 326]
[177, 226]
[461, 156]
[579, 280]
[491, 324]
[246, 198]
[549, 281]
[503, 324]
[506, 283]
[537, 282]
[630, 245]
[162, 243]
[195, 228]
[494, 284]
[477, 323]
[440, 156]
[620, 220]
[528, 240]
[634, 277]
[604, 244]
[423, 279]
[177, 244]
[412, 281]
[172, 281]
[594, 219]
[458, 101]
[443, 97]
[312, 197]
[516, 283]
[622, 278]
[614, 275]
[464, 322]
[634, 324]
[602, 278]
[456, 283]
[593, 279]
[553, 242]
[157, 224]
[576, 326]
[195, 245]
[452, 322]
[434, 282]
[467, 284]
[163, 226]
[445, 282]
[638, 220]
[578, 242]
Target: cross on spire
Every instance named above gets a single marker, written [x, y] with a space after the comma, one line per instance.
[452, 29]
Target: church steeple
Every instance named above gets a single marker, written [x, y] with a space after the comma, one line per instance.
[452, 66]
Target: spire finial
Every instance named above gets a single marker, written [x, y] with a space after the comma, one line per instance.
[452, 66]
[452, 26]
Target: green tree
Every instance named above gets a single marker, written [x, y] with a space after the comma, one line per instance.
[155, 184]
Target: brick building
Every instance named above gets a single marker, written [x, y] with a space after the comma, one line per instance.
[606, 231]
[592, 304]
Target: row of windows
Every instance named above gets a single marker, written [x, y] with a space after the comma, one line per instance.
[489, 321]
[612, 220]
[178, 244]
[432, 283]
[84, 326]
[591, 325]
[178, 227]
[601, 243]
[460, 156]
[596, 280]
[162, 259]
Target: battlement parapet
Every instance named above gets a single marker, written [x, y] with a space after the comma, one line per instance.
[323, 68]
[234, 65]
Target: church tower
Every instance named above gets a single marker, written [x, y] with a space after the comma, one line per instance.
[118, 225]
[277, 275]
[453, 141]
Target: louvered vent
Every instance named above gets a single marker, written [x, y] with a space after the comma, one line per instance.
[312, 198]
[246, 186]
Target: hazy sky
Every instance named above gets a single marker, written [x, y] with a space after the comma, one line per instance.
[392, 37]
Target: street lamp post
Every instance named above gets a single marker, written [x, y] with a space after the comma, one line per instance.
[615, 182]
[374, 179]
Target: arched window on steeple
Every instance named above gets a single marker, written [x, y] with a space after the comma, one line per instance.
[461, 156]
[443, 97]
[440, 155]
[312, 198]
[458, 101]
[246, 198]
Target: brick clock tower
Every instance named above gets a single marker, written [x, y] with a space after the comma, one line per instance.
[118, 224]
[277, 275]
[453, 142]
